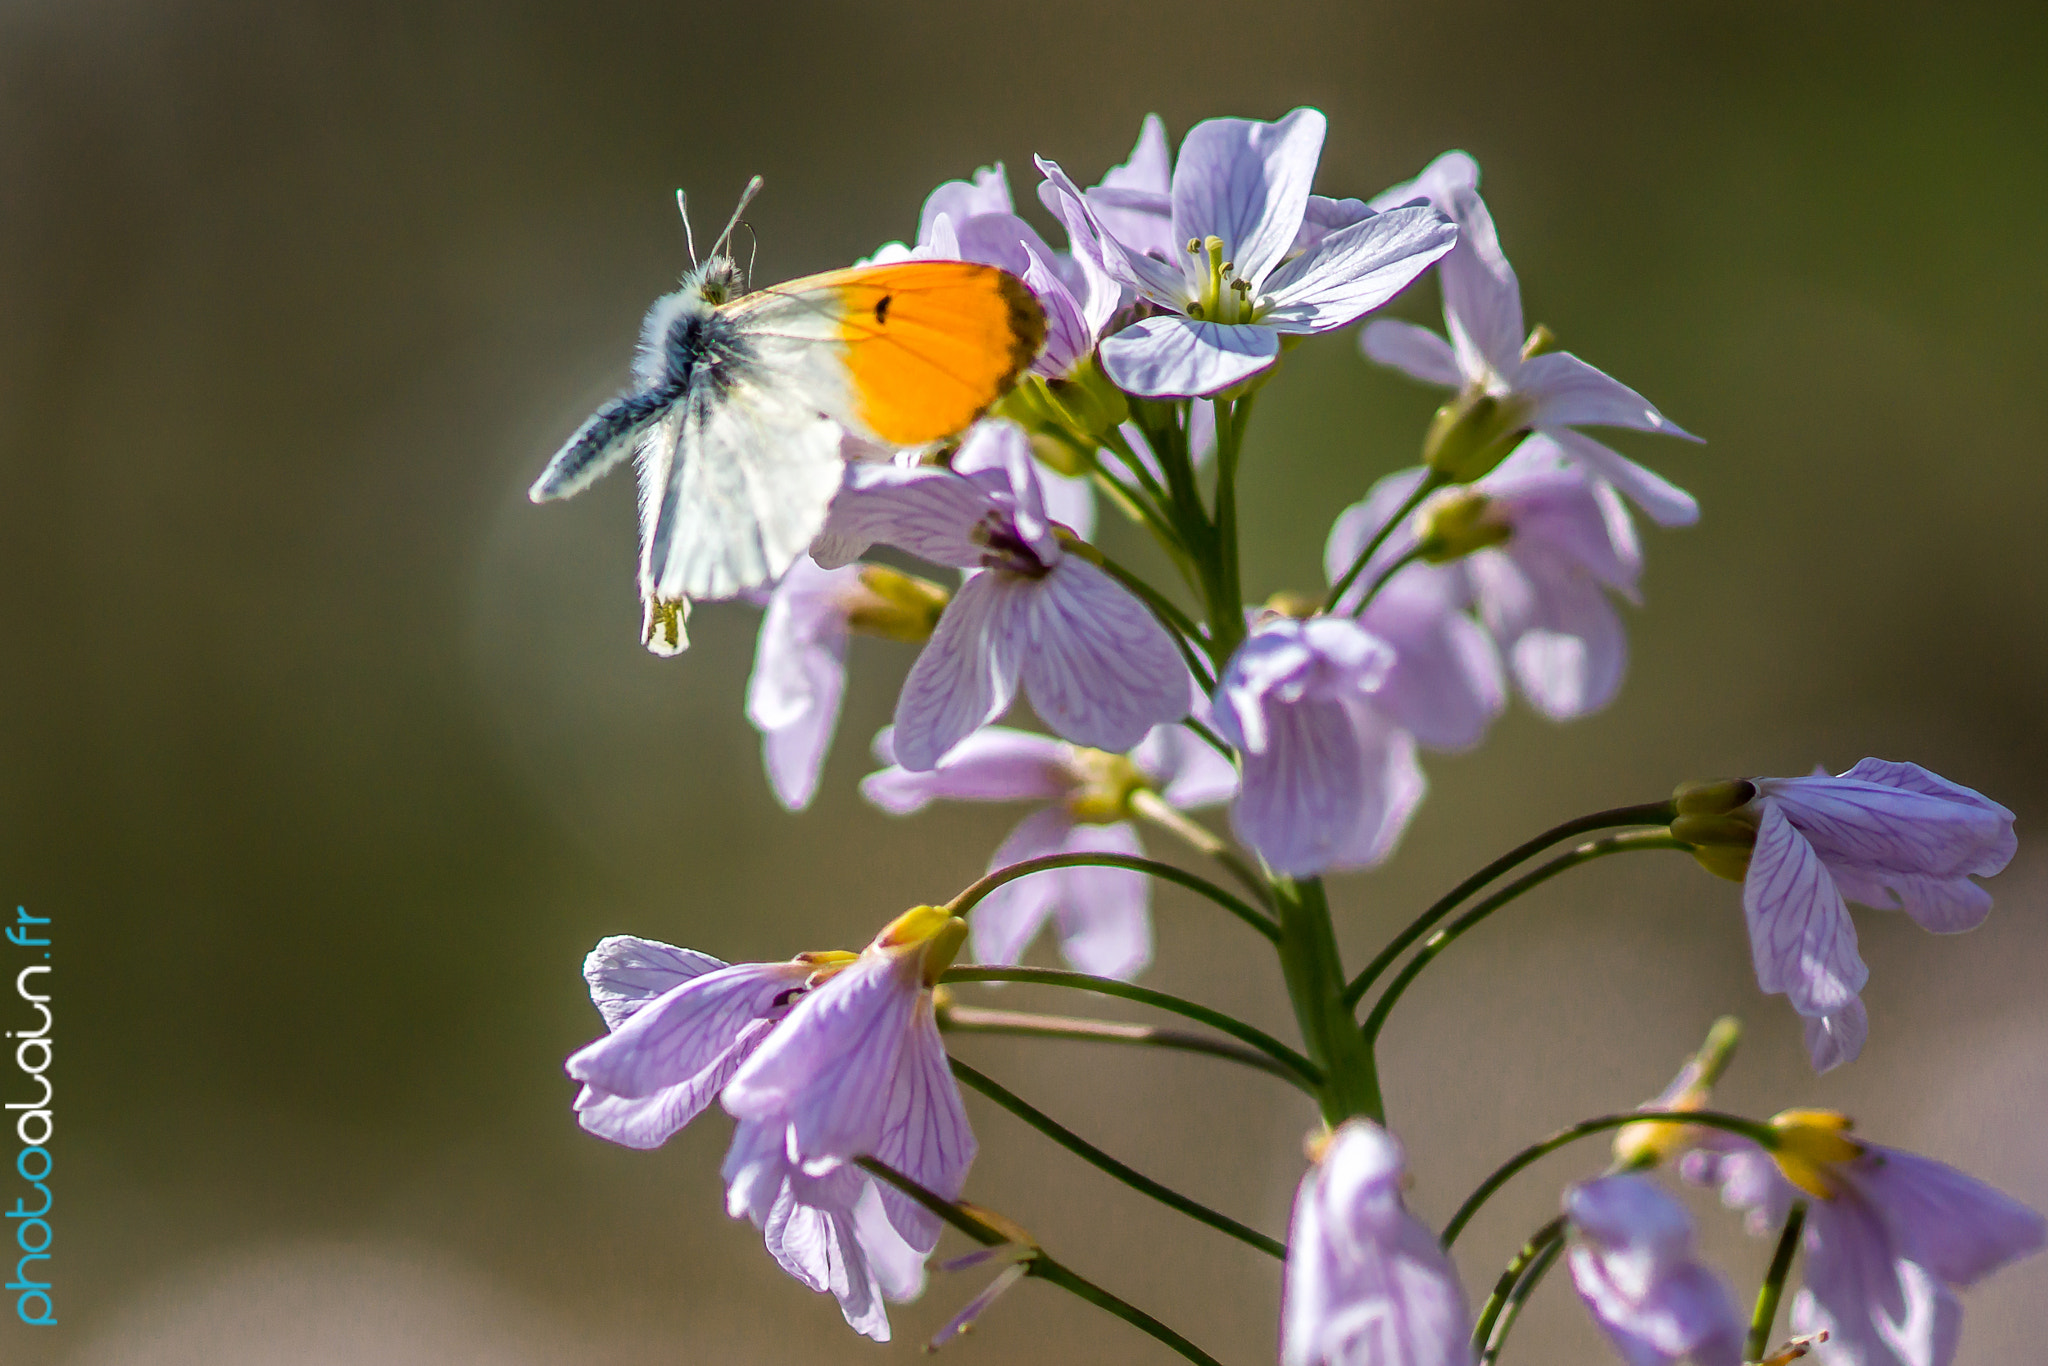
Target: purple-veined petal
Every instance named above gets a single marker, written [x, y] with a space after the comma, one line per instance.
[986, 193]
[1878, 828]
[1482, 297]
[1355, 270]
[1191, 772]
[1099, 669]
[1069, 333]
[924, 1131]
[1324, 216]
[1662, 501]
[1449, 172]
[673, 1039]
[1247, 183]
[966, 676]
[995, 764]
[1148, 172]
[651, 1120]
[1446, 686]
[1009, 918]
[1958, 1227]
[1304, 788]
[1392, 784]
[626, 973]
[1877, 1308]
[1170, 356]
[996, 456]
[1838, 1036]
[1801, 938]
[1103, 915]
[1415, 351]
[1570, 393]
[927, 511]
[1162, 281]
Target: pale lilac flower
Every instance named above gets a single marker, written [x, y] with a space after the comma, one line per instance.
[681, 1025]
[858, 1069]
[1555, 542]
[1553, 392]
[1889, 1238]
[1239, 196]
[829, 1231]
[1888, 835]
[1099, 670]
[1330, 779]
[1633, 1261]
[1100, 915]
[1366, 1284]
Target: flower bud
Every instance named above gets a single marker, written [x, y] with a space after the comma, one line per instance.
[1457, 522]
[1715, 798]
[1650, 1142]
[1541, 341]
[931, 930]
[1473, 433]
[895, 605]
[1090, 401]
[1287, 603]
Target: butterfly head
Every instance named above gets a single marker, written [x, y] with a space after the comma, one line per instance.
[718, 281]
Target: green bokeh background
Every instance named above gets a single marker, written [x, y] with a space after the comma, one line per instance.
[330, 756]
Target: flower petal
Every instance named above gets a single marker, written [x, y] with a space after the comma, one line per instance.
[1838, 1036]
[1662, 501]
[1392, 782]
[995, 764]
[927, 511]
[1446, 686]
[1009, 918]
[1192, 773]
[1099, 669]
[1247, 183]
[625, 973]
[1482, 297]
[1148, 172]
[988, 192]
[1875, 1306]
[966, 676]
[1104, 914]
[1563, 640]
[1169, 356]
[1570, 393]
[1958, 1227]
[687, 1031]
[1161, 281]
[1304, 788]
[1801, 938]
[1355, 270]
[924, 1133]
[1414, 351]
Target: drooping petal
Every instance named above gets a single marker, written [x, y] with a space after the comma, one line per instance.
[1563, 640]
[1169, 356]
[1414, 351]
[1877, 1308]
[1446, 686]
[1304, 788]
[1633, 1262]
[1392, 782]
[1838, 1036]
[799, 676]
[626, 973]
[1192, 773]
[651, 1120]
[1355, 270]
[1958, 1227]
[1568, 392]
[1009, 918]
[966, 676]
[1099, 669]
[995, 764]
[675, 1038]
[1875, 826]
[1662, 502]
[1482, 297]
[1247, 183]
[924, 1131]
[1104, 914]
[1801, 938]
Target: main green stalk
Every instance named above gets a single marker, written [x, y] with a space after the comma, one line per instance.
[1315, 983]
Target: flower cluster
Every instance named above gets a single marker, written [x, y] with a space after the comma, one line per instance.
[1496, 566]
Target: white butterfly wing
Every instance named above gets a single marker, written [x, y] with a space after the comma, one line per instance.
[734, 482]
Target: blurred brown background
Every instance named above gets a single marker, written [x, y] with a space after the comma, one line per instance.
[330, 756]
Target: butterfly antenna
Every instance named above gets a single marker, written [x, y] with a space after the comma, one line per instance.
[753, 250]
[746, 198]
[689, 238]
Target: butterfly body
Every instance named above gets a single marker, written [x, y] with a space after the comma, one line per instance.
[740, 402]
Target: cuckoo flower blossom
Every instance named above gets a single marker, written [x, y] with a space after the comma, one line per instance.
[1634, 1263]
[681, 1024]
[1887, 835]
[1228, 290]
[1329, 778]
[1366, 1284]
[1537, 545]
[857, 1069]
[1101, 915]
[1099, 670]
[800, 659]
[1889, 1237]
[1508, 384]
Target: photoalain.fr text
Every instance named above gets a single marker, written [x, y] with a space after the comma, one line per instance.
[34, 1123]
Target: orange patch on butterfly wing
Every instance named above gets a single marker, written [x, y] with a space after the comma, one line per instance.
[931, 344]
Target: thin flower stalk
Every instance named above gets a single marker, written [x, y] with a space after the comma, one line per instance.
[958, 1019]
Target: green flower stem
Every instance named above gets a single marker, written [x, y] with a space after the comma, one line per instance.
[1114, 441]
[1315, 984]
[1187, 637]
[1386, 578]
[1155, 808]
[1773, 1288]
[1518, 1297]
[1431, 482]
[1209, 738]
[1102, 1161]
[1231, 420]
[1754, 1130]
[957, 1019]
[1540, 1242]
[1376, 1020]
[1158, 1000]
[1040, 1264]
[1140, 510]
[1165, 872]
[1650, 813]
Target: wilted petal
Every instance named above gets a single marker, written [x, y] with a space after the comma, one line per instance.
[1414, 351]
[1801, 938]
[1662, 502]
[1247, 183]
[1099, 669]
[1355, 270]
[995, 764]
[1570, 393]
[966, 676]
[1169, 356]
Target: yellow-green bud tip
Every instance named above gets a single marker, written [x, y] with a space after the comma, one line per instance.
[1454, 523]
[1473, 433]
[1810, 1142]
[933, 931]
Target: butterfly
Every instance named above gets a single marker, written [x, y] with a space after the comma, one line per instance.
[739, 402]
